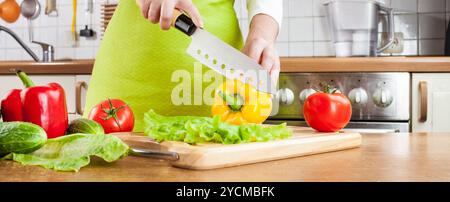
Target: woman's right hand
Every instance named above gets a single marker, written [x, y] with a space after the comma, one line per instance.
[161, 11]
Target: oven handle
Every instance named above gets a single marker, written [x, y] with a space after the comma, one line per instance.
[355, 126]
[423, 91]
[375, 131]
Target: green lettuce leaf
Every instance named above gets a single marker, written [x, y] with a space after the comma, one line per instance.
[71, 152]
[193, 129]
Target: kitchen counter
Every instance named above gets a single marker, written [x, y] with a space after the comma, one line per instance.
[366, 64]
[382, 157]
[57, 67]
[288, 64]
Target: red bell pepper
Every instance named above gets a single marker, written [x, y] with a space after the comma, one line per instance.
[12, 106]
[42, 105]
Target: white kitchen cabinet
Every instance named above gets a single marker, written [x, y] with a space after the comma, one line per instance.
[73, 117]
[8, 82]
[431, 102]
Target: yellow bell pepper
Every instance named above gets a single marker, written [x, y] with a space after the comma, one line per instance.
[238, 103]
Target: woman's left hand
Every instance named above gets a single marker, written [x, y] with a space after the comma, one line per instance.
[264, 52]
[260, 44]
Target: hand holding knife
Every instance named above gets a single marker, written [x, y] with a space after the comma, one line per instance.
[221, 57]
[213, 52]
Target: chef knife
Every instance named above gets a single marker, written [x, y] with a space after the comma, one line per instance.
[221, 57]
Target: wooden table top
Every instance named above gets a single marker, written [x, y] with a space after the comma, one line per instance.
[57, 67]
[288, 64]
[382, 157]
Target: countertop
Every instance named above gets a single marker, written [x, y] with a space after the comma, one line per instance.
[381, 157]
[288, 64]
[57, 67]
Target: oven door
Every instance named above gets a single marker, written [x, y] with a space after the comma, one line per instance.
[360, 127]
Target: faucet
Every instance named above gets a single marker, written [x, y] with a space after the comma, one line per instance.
[48, 50]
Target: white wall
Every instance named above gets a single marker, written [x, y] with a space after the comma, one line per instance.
[304, 32]
[305, 28]
[53, 30]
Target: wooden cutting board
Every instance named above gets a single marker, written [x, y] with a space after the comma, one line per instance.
[209, 156]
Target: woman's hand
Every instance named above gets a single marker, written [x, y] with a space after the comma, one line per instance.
[260, 44]
[161, 11]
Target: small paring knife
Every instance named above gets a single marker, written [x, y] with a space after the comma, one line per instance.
[221, 57]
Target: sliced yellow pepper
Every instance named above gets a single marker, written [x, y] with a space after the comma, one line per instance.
[237, 103]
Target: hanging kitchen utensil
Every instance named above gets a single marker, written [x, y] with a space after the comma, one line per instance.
[30, 9]
[9, 11]
[50, 8]
[74, 24]
[87, 31]
[221, 57]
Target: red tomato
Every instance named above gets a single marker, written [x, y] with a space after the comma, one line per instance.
[327, 112]
[114, 116]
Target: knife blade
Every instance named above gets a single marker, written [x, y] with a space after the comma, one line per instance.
[223, 58]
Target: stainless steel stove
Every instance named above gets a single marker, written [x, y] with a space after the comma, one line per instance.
[380, 101]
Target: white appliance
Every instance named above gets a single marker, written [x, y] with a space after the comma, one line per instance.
[380, 101]
[354, 27]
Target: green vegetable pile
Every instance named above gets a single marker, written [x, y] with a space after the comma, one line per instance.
[27, 144]
[71, 152]
[192, 130]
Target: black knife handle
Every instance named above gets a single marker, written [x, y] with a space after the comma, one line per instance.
[184, 24]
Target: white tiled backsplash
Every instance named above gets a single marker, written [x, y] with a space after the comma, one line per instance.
[304, 31]
[54, 31]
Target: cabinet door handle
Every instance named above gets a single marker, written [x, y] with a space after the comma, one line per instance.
[423, 91]
[80, 85]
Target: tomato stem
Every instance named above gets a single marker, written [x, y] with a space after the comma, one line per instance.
[112, 113]
[235, 102]
[329, 88]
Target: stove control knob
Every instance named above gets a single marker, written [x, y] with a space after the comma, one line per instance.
[305, 94]
[358, 96]
[285, 96]
[382, 97]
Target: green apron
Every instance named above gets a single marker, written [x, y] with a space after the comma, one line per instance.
[136, 59]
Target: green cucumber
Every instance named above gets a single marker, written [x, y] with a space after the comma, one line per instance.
[85, 126]
[20, 137]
